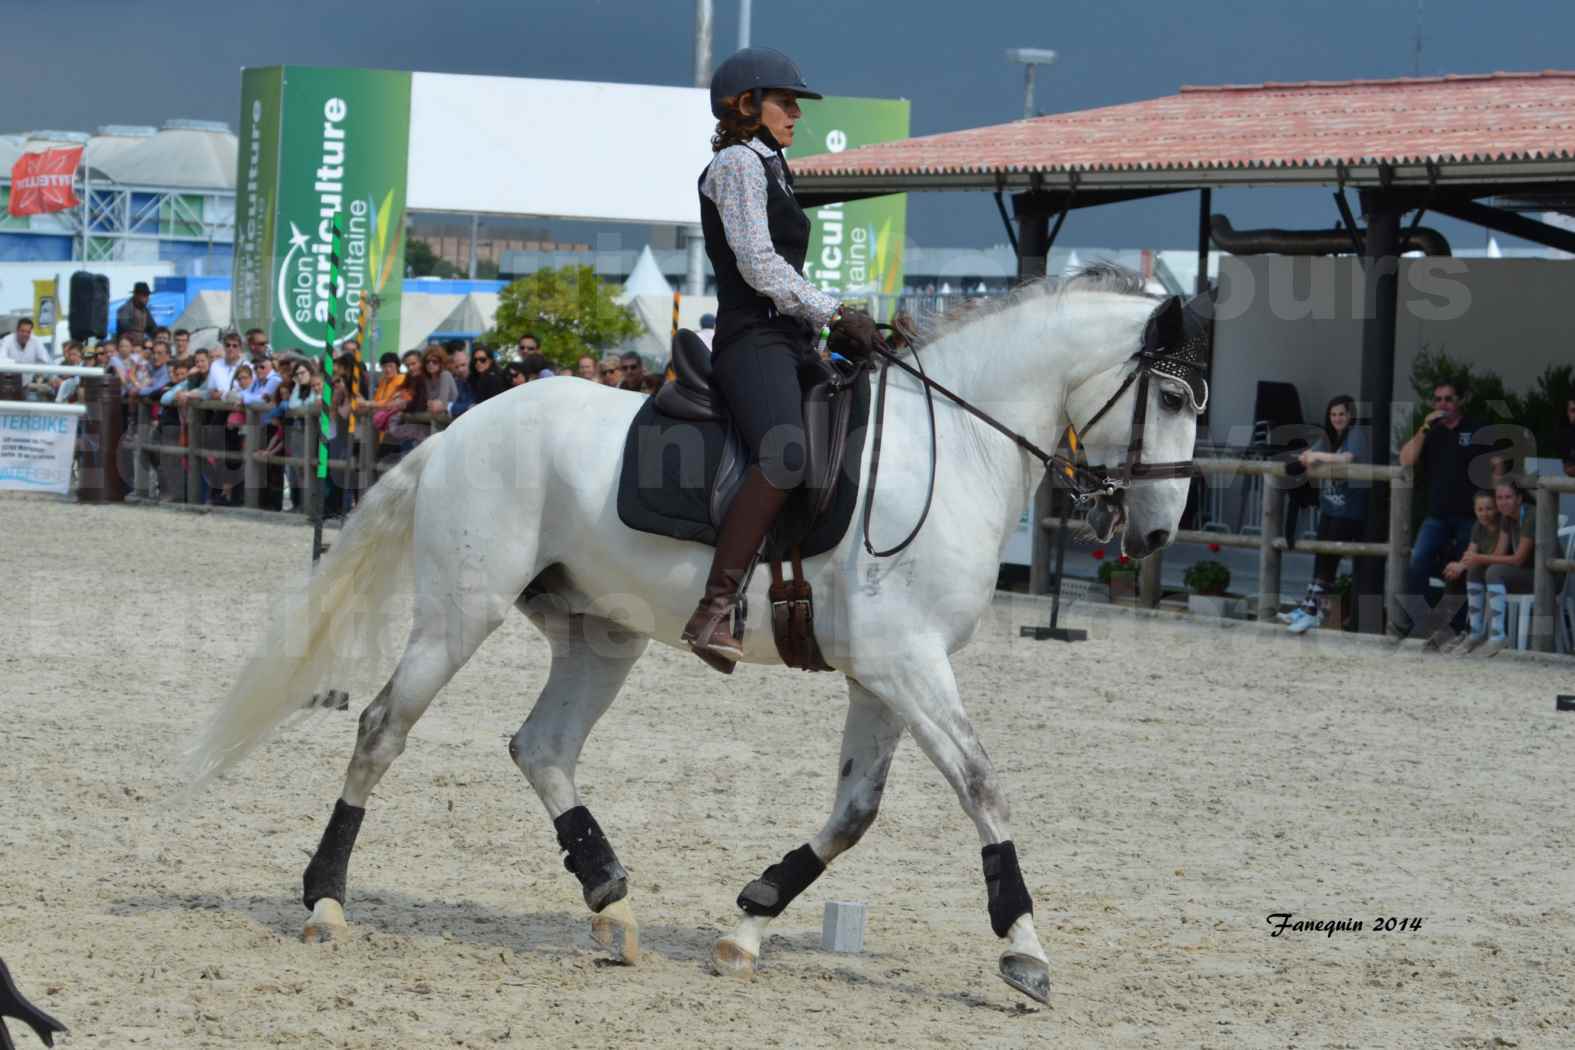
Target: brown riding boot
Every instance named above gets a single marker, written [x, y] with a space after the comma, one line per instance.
[709, 631]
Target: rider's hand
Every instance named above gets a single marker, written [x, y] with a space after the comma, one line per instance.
[854, 336]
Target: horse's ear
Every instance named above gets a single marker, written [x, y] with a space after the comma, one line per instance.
[1166, 326]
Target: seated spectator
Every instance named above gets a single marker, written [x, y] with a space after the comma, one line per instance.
[1507, 570]
[156, 374]
[20, 348]
[517, 374]
[611, 370]
[537, 366]
[652, 383]
[1445, 445]
[65, 387]
[221, 370]
[1342, 504]
[585, 368]
[389, 398]
[119, 362]
[459, 368]
[486, 380]
[439, 388]
[633, 371]
[1484, 540]
[264, 384]
[528, 344]
[411, 360]
[420, 391]
[707, 329]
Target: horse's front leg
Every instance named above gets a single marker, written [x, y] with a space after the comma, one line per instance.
[922, 690]
[869, 739]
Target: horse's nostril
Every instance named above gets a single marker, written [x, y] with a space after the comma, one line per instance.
[1157, 539]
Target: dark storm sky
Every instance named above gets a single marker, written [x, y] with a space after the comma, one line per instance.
[77, 64]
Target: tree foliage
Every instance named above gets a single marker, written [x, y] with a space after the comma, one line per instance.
[570, 310]
[422, 261]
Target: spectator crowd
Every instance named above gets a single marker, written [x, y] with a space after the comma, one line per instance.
[170, 391]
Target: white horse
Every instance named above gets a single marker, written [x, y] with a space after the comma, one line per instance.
[514, 506]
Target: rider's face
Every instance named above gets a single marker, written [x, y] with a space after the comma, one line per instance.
[779, 112]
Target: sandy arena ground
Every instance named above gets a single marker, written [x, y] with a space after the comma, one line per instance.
[1172, 786]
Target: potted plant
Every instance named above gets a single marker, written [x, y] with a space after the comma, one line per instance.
[1207, 580]
[1119, 575]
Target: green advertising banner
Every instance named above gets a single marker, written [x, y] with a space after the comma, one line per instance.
[342, 154]
[854, 248]
[256, 187]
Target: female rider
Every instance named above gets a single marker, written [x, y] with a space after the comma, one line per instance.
[768, 316]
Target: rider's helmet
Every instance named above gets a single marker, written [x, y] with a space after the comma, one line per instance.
[756, 70]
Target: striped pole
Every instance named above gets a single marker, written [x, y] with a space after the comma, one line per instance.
[325, 415]
[676, 297]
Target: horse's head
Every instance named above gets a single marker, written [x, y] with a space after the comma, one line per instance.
[1167, 373]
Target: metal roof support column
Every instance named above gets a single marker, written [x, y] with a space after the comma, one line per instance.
[1380, 296]
[1032, 211]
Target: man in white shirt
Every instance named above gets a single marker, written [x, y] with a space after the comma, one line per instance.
[21, 348]
[222, 370]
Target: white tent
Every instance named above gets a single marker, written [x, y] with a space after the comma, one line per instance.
[646, 277]
[655, 312]
[421, 314]
[476, 312]
[209, 308]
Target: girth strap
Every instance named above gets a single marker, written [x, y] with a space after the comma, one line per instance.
[793, 618]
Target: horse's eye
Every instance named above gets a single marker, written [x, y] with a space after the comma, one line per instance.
[1171, 400]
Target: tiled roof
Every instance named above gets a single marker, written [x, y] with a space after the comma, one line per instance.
[1491, 118]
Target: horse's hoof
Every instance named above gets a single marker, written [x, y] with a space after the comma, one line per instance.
[614, 928]
[1028, 975]
[327, 922]
[729, 959]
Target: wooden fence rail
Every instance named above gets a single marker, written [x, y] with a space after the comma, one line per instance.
[1395, 549]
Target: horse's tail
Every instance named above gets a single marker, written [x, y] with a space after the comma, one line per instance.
[332, 616]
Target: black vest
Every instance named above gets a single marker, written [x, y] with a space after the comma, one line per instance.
[737, 302]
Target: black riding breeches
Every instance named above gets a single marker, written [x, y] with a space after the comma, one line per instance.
[760, 372]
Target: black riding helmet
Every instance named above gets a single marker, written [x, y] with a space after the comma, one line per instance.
[756, 70]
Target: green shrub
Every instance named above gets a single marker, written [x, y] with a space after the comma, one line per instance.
[1109, 568]
[1207, 577]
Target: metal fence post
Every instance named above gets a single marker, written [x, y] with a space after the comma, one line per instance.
[1268, 553]
[1399, 556]
[1543, 614]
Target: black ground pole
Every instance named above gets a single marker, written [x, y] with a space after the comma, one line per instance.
[1055, 632]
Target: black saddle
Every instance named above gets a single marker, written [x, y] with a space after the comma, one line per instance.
[683, 462]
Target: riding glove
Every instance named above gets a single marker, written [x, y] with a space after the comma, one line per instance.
[854, 335]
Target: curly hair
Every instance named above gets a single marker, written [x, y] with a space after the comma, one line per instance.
[735, 128]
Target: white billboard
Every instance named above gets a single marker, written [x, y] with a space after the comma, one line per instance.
[561, 148]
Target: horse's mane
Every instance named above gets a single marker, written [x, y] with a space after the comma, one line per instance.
[1098, 276]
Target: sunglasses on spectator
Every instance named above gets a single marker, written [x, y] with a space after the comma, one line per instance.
[1444, 397]
[610, 371]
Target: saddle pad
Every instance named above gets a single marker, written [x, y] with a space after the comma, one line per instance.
[670, 466]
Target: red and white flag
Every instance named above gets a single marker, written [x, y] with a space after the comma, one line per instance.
[42, 182]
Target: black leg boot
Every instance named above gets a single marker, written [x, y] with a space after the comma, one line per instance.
[709, 631]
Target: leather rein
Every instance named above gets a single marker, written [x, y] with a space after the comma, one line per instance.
[1084, 482]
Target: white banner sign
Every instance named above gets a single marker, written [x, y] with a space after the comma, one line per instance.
[36, 450]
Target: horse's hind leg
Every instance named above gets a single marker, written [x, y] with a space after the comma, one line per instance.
[438, 646]
[591, 657]
[869, 739]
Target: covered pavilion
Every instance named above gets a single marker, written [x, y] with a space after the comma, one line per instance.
[1484, 149]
